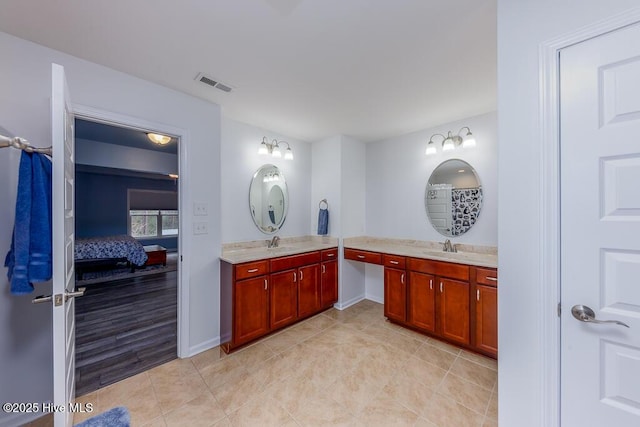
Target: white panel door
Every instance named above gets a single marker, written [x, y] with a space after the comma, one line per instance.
[440, 211]
[62, 127]
[600, 229]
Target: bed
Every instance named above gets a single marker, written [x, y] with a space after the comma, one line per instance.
[107, 252]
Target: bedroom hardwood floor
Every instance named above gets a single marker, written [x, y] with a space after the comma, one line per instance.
[125, 327]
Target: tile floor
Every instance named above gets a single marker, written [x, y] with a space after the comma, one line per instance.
[346, 367]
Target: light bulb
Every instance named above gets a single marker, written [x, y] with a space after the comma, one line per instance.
[431, 149]
[158, 138]
[263, 149]
[276, 152]
[448, 145]
[469, 141]
[288, 155]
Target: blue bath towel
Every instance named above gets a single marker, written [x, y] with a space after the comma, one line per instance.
[323, 222]
[30, 258]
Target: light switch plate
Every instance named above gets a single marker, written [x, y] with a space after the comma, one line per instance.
[200, 228]
[200, 209]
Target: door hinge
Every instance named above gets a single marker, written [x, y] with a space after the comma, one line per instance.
[559, 309]
[180, 258]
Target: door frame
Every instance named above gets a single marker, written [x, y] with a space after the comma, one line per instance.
[549, 104]
[123, 120]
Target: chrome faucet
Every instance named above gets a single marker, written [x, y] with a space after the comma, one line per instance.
[448, 246]
[273, 243]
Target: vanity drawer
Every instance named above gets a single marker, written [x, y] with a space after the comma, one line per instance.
[364, 256]
[487, 276]
[251, 269]
[439, 268]
[394, 261]
[330, 254]
[294, 261]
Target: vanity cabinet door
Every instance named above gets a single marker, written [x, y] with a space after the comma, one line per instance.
[422, 301]
[486, 327]
[308, 290]
[329, 283]
[251, 315]
[453, 310]
[283, 298]
[395, 294]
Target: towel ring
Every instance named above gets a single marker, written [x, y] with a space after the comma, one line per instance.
[325, 202]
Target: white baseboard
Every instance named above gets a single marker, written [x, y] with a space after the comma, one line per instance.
[346, 304]
[204, 346]
[374, 299]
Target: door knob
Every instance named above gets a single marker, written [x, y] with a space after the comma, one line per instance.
[586, 314]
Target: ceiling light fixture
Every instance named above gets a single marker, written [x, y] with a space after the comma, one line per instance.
[450, 142]
[158, 138]
[273, 148]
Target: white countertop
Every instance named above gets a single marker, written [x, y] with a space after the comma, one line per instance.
[237, 253]
[482, 256]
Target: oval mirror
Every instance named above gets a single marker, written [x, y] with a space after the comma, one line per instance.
[453, 197]
[268, 199]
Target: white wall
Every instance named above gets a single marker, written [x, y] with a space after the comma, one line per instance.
[522, 26]
[25, 329]
[353, 200]
[240, 161]
[397, 175]
[338, 175]
[326, 179]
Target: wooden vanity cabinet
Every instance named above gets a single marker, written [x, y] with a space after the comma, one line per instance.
[485, 311]
[438, 299]
[251, 309]
[308, 290]
[395, 294]
[453, 310]
[329, 278]
[422, 301]
[395, 287]
[283, 299]
[261, 296]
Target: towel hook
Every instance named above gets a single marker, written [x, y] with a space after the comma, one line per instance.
[325, 202]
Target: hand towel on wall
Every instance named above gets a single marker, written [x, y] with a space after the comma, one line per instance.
[323, 222]
[30, 257]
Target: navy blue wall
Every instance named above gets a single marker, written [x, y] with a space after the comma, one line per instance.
[101, 204]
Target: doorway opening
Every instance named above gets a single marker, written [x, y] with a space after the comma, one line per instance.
[127, 250]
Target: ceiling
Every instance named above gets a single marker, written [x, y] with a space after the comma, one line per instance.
[309, 69]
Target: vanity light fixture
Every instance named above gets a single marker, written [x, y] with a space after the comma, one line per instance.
[158, 138]
[273, 148]
[450, 142]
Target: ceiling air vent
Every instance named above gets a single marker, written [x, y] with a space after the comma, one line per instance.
[201, 77]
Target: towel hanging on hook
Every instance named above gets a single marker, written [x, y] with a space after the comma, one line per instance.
[323, 218]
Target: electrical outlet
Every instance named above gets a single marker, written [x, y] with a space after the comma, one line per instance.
[200, 208]
[200, 228]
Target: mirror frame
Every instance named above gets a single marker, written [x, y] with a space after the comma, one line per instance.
[476, 205]
[258, 178]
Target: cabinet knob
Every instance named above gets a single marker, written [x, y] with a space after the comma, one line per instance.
[324, 269]
[431, 284]
[300, 274]
[265, 284]
[440, 287]
[402, 278]
[477, 294]
[252, 270]
[294, 276]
